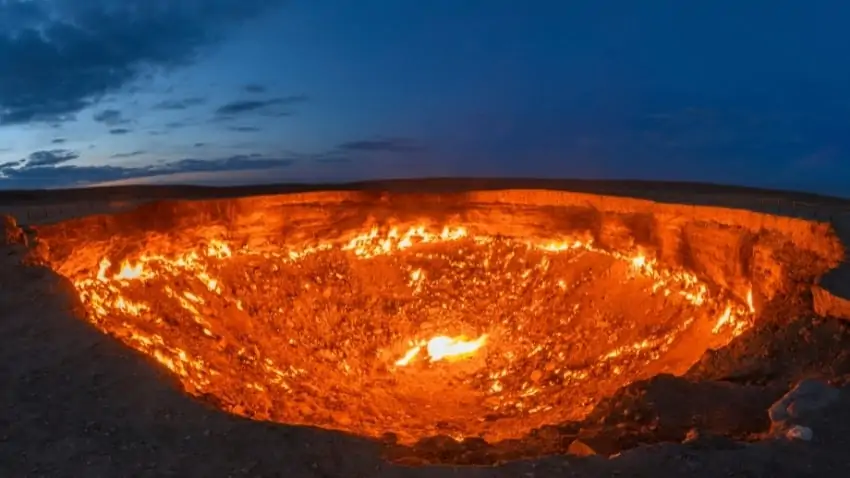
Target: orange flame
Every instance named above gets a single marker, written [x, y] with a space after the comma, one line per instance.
[750, 301]
[105, 292]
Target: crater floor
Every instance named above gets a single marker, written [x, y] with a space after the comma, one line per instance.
[337, 335]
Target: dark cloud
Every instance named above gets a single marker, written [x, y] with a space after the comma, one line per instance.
[179, 104]
[110, 118]
[10, 165]
[60, 56]
[254, 88]
[244, 129]
[50, 158]
[232, 163]
[128, 155]
[175, 125]
[199, 145]
[387, 145]
[334, 160]
[250, 106]
[119, 131]
[32, 176]
[66, 175]
[58, 140]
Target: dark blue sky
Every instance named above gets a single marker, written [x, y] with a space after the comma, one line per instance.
[235, 91]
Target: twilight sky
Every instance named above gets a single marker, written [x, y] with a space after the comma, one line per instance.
[238, 91]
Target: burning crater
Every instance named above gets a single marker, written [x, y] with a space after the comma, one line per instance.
[487, 314]
[410, 332]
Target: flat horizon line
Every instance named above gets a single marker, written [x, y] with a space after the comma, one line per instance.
[442, 184]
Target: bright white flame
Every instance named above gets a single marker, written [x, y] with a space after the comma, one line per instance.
[446, 347]
[443, 347]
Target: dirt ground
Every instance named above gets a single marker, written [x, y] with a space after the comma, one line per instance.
[75, 402]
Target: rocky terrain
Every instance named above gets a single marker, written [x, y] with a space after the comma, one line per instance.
[774, 403]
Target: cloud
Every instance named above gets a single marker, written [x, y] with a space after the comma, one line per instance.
[50, 158]
[387, 145]
[334, 160]
[250, 106]
[244, 129]
[58, 140]
[119, 131]
[236, 162]
[183, 104]
[58, 57]
[60, 176]
[128, 155]
[254, 88]
[10, 165]
[110, 118]
[199, 145]
[47, 176]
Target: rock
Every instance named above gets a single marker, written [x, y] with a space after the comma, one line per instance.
[410, 461]
[341, 418]
[831, 302]
[802, 403]
[547, 433]
[605, 441]
[580, 448]
[692, 436]
[665, 408]
[12, 234]
[438, 446]
[700, 440]
[305, 409]
[798, 432]
[475, 443]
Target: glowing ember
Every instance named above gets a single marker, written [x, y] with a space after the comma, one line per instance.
[309, 333]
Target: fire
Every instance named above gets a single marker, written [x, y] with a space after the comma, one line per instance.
[443, 347]
[750, 301]
[268, 327]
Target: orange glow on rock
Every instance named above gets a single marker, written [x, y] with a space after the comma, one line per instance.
[541, 325]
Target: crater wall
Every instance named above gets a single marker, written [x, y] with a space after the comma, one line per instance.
[730, 248]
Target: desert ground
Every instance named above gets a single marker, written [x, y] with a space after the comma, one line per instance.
[78, 403]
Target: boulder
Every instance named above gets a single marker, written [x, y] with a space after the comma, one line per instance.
[671, 406]
[608, 441]
[674, 409]
[829, 303]
[798, 432]
[794, 413]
